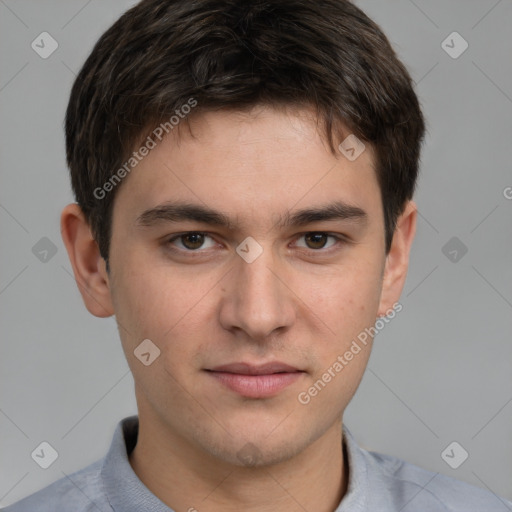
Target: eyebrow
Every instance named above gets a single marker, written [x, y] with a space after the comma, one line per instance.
[176, 212]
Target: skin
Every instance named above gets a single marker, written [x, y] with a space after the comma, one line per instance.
[300, 302]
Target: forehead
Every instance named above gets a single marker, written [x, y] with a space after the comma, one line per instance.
[250, 164]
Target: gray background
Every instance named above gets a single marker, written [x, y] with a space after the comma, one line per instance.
[441, 371]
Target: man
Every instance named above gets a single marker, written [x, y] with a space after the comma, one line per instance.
[244, 174]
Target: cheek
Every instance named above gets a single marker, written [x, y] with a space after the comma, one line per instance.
[349, 308]
[162, 303]
[156, 305]
[347, 299]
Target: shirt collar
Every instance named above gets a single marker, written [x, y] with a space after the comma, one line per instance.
[355, 499]
[126, 492]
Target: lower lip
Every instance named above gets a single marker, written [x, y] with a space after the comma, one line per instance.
[256, 386]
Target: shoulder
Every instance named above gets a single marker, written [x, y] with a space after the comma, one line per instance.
[417, 489]
[81, 491]
[91, 488]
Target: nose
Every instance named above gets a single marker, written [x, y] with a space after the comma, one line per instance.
[258, 300]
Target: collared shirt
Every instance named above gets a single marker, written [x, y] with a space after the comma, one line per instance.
[377, 483]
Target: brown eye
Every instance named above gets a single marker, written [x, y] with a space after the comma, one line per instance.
[192, 240]
[316, 240]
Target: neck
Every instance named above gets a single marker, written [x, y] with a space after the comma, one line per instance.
[186, 478]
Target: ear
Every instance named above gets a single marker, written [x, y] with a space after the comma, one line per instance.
[397, 260]
[88, 265]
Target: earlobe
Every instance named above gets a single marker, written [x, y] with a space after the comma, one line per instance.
[88, 266]
[397, 260]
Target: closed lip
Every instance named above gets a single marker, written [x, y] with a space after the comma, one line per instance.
[252, 369]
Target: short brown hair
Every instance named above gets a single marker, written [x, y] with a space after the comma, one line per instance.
[236, 54]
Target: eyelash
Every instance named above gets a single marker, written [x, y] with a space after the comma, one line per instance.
[338, 240]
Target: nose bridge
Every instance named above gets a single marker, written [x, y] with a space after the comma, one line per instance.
[259, 302]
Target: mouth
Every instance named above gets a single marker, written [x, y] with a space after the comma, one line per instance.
[256, 381]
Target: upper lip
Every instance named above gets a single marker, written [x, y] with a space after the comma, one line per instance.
[251, 369]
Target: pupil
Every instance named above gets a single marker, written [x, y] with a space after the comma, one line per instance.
[318, 240]
[193, 240]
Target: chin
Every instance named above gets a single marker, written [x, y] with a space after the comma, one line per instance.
[256, 450]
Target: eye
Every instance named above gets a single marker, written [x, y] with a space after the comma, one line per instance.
[318, 240]
[191, 241]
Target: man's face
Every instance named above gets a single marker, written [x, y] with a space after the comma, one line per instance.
[301, 302]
